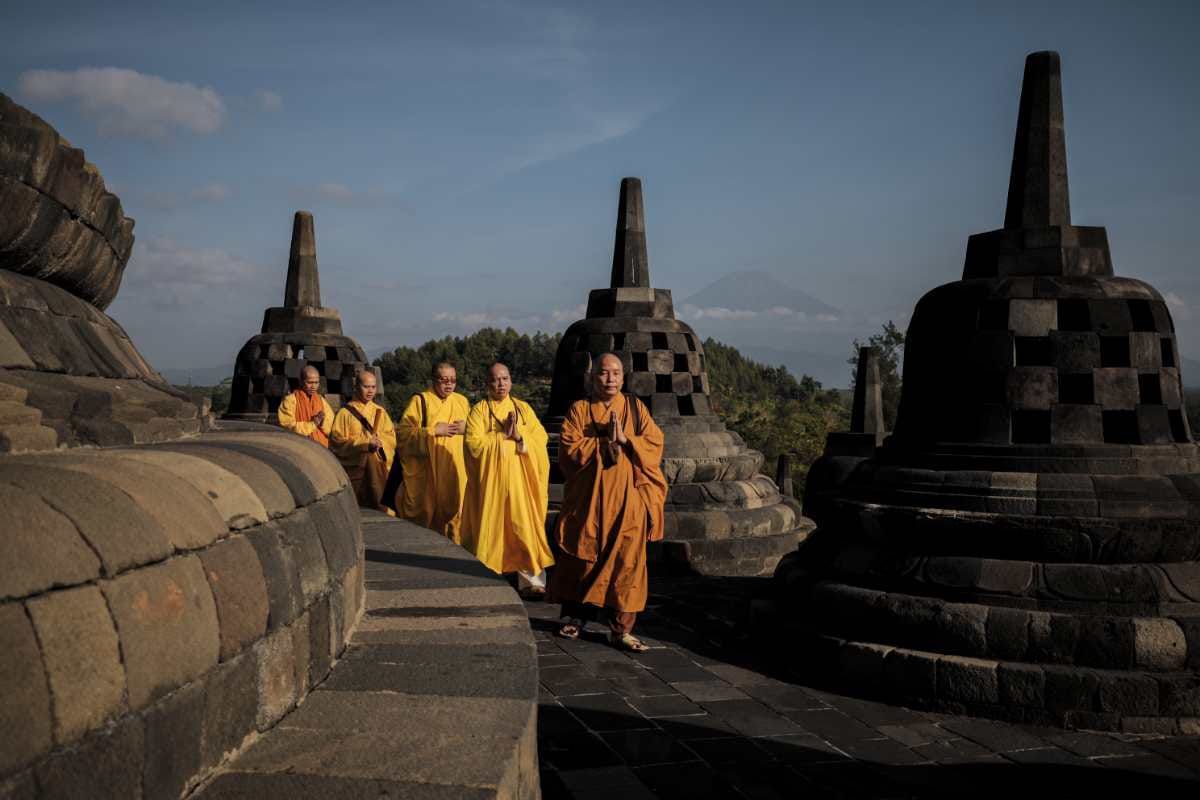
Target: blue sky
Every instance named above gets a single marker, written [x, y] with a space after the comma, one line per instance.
[462, 158]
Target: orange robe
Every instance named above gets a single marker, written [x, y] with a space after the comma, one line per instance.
[609, 512]
[296, 413]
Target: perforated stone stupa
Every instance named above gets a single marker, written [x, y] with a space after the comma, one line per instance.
[722, 516]
[1025, 543]
[297, 334]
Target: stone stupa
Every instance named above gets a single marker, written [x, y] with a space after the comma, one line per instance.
[722, 516]
[297, 334]
[1024, 545]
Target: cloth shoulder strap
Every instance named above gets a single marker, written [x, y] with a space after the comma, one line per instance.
[361, 419]
[424, 409]
[635, 405]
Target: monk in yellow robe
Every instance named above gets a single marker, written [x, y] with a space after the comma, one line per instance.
[610, 452]
[429, 439]
[364, 440]
[305, 411]
[508, 475]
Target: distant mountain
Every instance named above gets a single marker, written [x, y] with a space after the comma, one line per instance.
[831, 370]
[198, 376]
[757, 291]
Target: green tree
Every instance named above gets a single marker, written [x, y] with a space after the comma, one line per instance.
[530, 359]
[890, 345]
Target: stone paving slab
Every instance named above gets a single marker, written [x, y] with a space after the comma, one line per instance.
[702, 716]
[435, 696]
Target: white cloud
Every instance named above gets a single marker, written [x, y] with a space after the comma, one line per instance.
[590, 128]
[170, 275]
[169, 201]
[268, 101]
[568, 314]
[127, 102]
[340, 194]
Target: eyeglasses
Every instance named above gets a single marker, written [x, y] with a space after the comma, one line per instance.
[446, 380]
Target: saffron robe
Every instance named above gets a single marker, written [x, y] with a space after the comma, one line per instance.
[296, 413]
[435, 474]
[610, 510]
[504, 511]
[349, 441]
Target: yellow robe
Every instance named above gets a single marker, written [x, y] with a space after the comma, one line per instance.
[288, 421]
[349, 440]
[504, 512]
[435, 474]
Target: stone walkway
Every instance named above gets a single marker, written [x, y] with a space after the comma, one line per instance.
[699, 717]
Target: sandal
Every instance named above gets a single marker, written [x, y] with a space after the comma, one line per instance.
[627, 642]
[532, 593]
[571, 629]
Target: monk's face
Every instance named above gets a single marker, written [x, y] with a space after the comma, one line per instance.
[312, 382]
[609, 377]
[367, 387]
[499, 382]
[444, 383]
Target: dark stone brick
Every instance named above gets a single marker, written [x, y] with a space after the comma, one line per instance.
[1007, 633]
[279, 570]
[1106, 642]
[107, 763]
[337, 534]
[230, 707]
[174, 731]
[252, 786]
[319, 637]
[239, 589]
[1022, 685]
[1071, 689]
[1180, 695]
[649, 746]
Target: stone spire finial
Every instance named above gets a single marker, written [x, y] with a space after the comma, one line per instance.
[303, 283]
[631, 265]
[1037, 187]
[866, 413]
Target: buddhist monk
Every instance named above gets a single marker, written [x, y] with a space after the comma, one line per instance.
[305, 411]
[508, 473]
[430, 442]
[364, 441]
[610, 452]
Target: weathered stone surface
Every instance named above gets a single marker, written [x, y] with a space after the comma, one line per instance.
[82, 658]
[240, 592]
[167, 623]
[106, 764]
[26, 710]
[234, 500]
[174, 736]
[264, 481]
[44, 542]
[115, 527]
[298, 534]
[189, 518]
[276, 677]
[230, 706]
[284, 597]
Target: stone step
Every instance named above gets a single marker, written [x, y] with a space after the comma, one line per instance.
[979, 630]
[1118, 589]
[13, 413]
[719, 523]
[27, 438]
[1075, 697]
[728, 557]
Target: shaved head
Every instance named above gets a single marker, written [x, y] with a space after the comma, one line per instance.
[608, 376]
[310, 380]
[499, 381]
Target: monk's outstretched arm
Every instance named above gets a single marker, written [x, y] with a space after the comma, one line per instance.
[386, 432]
[411, 438]
[646, 442]
[287, 418]
[347, 436]
[480, 438]
[576, 446]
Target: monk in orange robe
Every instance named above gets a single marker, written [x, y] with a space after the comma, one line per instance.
[305, 411]
[610, 451]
